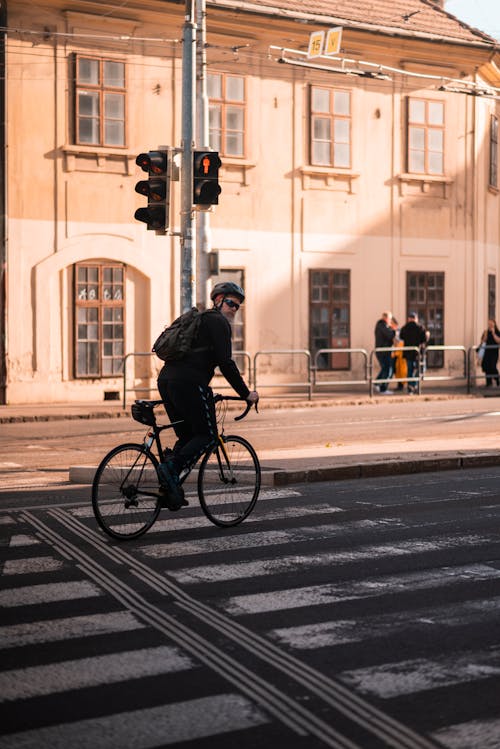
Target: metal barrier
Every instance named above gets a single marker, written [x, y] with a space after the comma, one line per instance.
[134, 389]
[288, 352]
[315, 368]
[424, 377]
[311, 382]
[472, 376]
[392, 349]
[236, 356]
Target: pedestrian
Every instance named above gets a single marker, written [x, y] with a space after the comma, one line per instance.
[413, 334]
[384, 337]
[184, 387]
[400, 368]
[490, 338]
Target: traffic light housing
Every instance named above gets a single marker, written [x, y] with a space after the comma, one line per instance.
[157, 189]
[206, 188]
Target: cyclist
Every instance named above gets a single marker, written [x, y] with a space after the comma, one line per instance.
[184, 387]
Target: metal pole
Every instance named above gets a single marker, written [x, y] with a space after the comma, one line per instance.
[203, 236]
[188, 238]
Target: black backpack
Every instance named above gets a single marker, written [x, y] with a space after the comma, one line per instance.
[177, 339]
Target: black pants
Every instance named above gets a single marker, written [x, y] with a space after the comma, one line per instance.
[193, 406]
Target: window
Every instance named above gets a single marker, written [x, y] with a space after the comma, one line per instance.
[425, 136]
[99, 319]
[99, 102]
[226, 113]
[425, 295]
[492, 297]
[330, 127]
[238, 326]
[330, 316]
[493, 181]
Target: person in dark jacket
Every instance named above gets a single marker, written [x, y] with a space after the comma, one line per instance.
[385, 332]
[184, 387]
[413, 334]
[489, 362]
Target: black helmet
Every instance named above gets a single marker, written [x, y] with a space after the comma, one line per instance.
[228, 287]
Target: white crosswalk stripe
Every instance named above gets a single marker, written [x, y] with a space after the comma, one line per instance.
[145, 729]
[88, 672]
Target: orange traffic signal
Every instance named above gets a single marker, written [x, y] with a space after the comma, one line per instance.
[206, 188]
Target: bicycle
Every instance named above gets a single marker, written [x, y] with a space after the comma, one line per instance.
[126, 487]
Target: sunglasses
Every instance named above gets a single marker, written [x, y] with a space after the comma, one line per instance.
[233, 305]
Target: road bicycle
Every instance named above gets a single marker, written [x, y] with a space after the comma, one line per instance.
[126, 497]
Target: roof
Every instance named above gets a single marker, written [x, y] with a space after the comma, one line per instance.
[417, 18]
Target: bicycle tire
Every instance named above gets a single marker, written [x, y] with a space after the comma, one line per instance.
[228, 491]
[120, 507]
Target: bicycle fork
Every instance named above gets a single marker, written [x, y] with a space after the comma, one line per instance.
[225, 468]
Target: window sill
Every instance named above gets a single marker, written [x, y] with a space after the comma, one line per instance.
[239, 167]
[98, 159]
[435, 185]
[494, 190]
[327, 176]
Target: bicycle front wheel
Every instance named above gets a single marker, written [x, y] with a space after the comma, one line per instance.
[125, 496]
[229, 481]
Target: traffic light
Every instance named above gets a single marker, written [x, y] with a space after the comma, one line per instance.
[206, 188]
[156, 188]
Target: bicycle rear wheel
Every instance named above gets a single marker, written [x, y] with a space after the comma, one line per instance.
[229, 481]
[125, 495]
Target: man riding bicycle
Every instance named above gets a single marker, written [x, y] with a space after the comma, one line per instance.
[184, 387]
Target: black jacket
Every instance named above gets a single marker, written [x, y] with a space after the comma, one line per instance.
[384, 334]
[412, 334]
[211, 348]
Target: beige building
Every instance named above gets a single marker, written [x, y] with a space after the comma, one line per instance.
[349, 185]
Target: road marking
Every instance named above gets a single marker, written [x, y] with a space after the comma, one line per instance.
[318, 595]
[35, 681]
[143, 729]
[54, 630]
[23, 540]
[252, 540]
[30, 565]
[481, 733]
[407, 677]
[265, 567]
[30, 595]
[343, 632]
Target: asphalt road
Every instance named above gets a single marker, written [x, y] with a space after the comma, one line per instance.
[38, 454]
[353, 615]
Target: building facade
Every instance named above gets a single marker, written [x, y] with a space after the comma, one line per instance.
[349, 186]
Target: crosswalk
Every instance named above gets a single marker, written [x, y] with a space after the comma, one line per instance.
[324, 620]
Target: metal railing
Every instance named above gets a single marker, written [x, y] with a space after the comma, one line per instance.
[472, 361]
[288, 352]
[312, 382]
[135, 389]
[323, 383]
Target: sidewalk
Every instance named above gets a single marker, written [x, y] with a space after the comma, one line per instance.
[320, 463]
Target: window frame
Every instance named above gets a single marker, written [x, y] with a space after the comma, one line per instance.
[224, 103]
[428, 127]
[102, 90]
[492, 296]
[422, 297]
[101, 304]
[493, 155]
[332, 362]
[332, 116]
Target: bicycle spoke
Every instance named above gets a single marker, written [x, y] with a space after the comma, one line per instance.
[229, 481]
[125, 492]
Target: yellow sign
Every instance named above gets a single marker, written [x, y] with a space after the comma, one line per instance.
[333, 39]
[316, 42]
[318, 46]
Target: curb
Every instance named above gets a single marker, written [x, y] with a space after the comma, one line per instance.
[272, 477]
